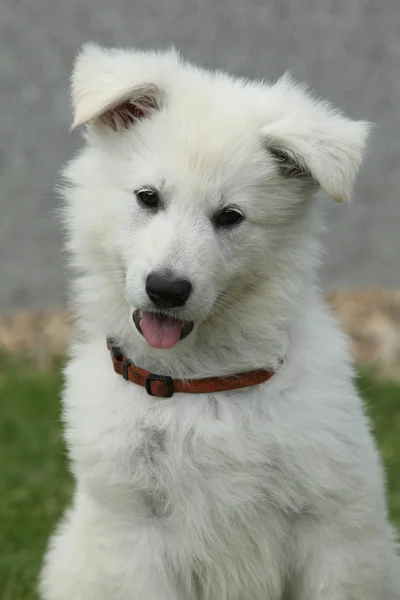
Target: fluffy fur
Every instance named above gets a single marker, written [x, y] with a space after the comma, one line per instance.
[268, 493]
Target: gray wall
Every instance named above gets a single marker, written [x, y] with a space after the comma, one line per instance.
[348, 50]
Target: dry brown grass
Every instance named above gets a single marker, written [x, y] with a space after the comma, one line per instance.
[370, 317]
[40, 336]
[372, 320]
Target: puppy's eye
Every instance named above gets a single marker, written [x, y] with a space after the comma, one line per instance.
[229, 217]
[148, 197]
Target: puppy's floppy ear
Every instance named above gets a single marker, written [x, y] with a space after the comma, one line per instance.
[115, 87]
[309, 139]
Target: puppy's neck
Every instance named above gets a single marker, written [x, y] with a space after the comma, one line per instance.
[254, 335]
[256, 332]
[218, 354]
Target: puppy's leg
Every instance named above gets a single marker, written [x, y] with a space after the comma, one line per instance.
[335, 562]
[91, 558]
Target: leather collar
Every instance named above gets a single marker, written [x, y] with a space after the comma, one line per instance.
[163, 386]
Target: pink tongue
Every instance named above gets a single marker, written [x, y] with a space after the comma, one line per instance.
[160, 331]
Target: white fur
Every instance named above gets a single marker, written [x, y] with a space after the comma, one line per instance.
[268, 493]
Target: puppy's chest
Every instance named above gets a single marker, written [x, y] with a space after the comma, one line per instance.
[192, 460]
[180, 472]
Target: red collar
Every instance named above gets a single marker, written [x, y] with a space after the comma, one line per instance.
[164, 386]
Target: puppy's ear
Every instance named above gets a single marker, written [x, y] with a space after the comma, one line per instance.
[116, 88]
[310, 140]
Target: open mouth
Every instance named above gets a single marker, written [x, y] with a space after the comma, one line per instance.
[159, 330]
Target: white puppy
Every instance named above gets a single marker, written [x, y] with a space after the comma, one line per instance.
[194, 231]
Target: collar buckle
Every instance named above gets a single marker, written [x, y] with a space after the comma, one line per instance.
[160, 379]
[125, 365]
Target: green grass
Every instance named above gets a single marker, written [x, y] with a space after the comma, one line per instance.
[35, 485]
[383, 405]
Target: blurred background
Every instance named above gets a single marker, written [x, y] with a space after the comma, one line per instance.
[347, 50]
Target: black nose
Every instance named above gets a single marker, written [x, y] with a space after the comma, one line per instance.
[166, 292]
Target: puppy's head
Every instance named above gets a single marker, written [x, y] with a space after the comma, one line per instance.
[194, 189]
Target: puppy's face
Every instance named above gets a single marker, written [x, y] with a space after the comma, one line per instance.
[193, 188]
